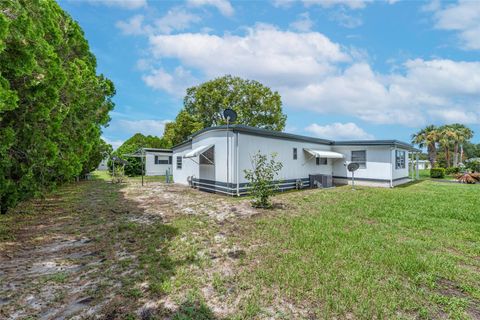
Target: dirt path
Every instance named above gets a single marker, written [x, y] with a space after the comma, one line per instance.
[80, 253]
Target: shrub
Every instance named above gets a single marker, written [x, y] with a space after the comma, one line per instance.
[437, 173]
[452, 170]
[474, 165]
[261, 178]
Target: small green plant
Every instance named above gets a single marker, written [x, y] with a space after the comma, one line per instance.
[261, 178]
[437, 173]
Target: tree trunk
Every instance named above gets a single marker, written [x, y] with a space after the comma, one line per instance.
[432, 155]
[447, 156]
[455, 155]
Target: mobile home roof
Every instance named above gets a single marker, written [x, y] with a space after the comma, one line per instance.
[296, 137]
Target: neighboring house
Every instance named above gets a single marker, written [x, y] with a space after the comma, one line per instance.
[204, 162]
[423, 164]
[103, 166]
[157, 161]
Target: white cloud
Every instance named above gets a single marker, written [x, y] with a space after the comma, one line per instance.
[264, 53]
[176, 19]
[223, 6]
[351, 4]
[134, 26]
[346, 20]
[303, 24]
[456, 116]
[175, 83]
[114, 143]
[464, 18]
[146, 127]
[339, 131]
[125, 4]
[313, 73]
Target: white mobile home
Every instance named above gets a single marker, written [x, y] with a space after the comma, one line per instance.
[157, 162]
[214, 159]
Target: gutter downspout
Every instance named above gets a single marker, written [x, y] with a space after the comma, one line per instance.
[391, 167]
[236, 164]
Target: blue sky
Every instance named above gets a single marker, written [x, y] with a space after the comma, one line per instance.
[345, 69]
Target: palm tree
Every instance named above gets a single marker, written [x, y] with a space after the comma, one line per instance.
[428, 137]
[455, 135]
[462, 134]
[447, 137]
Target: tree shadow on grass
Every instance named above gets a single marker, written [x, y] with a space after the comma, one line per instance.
[104, 245]
[147, 243]
[409, 184]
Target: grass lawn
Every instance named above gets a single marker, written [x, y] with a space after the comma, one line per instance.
[375, 253]
[405, 253]
[425, 174]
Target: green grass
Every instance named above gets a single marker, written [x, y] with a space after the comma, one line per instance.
[374, 253]
[425, 175]
[105, 175]
[402, 253]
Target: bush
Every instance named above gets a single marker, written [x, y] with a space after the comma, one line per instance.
[437, 173]
[261, 178]
[452, 170]
[474, 165]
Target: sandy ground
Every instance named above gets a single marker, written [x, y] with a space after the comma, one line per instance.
[59, 264]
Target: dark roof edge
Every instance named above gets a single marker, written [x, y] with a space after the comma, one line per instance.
[259, 131]
[393, 143]
[156, 149]
[181, 144]
[291, 136]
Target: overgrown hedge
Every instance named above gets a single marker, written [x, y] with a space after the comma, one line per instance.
[52, 102]
[437, 173]
[452, 170]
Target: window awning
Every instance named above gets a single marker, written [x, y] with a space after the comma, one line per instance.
[324, 154]
[197, 151]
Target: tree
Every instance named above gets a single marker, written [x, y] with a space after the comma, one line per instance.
[52, 102]
[255, 104]
[100, 151]
[261, 178]
[460, 134]
[428, 137]
[133, 144]
[183, 126]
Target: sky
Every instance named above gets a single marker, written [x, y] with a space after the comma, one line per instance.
[345, 69]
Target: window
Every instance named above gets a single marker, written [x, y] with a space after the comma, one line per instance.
[170, 160]
[294, 153]
[360, 157]
[179, 162]
[400, 159]
[162, 160]
[208, 157]
[321, 161]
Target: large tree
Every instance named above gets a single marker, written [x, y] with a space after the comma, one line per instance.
[255, 104]
[52, 102]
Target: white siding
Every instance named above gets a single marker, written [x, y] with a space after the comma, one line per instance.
[152, 169]
[400, 173]
[378, 163]
[189, 168]
[292, 169]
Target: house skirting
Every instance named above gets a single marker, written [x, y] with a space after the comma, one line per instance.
[369, 182]
[243, 188]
